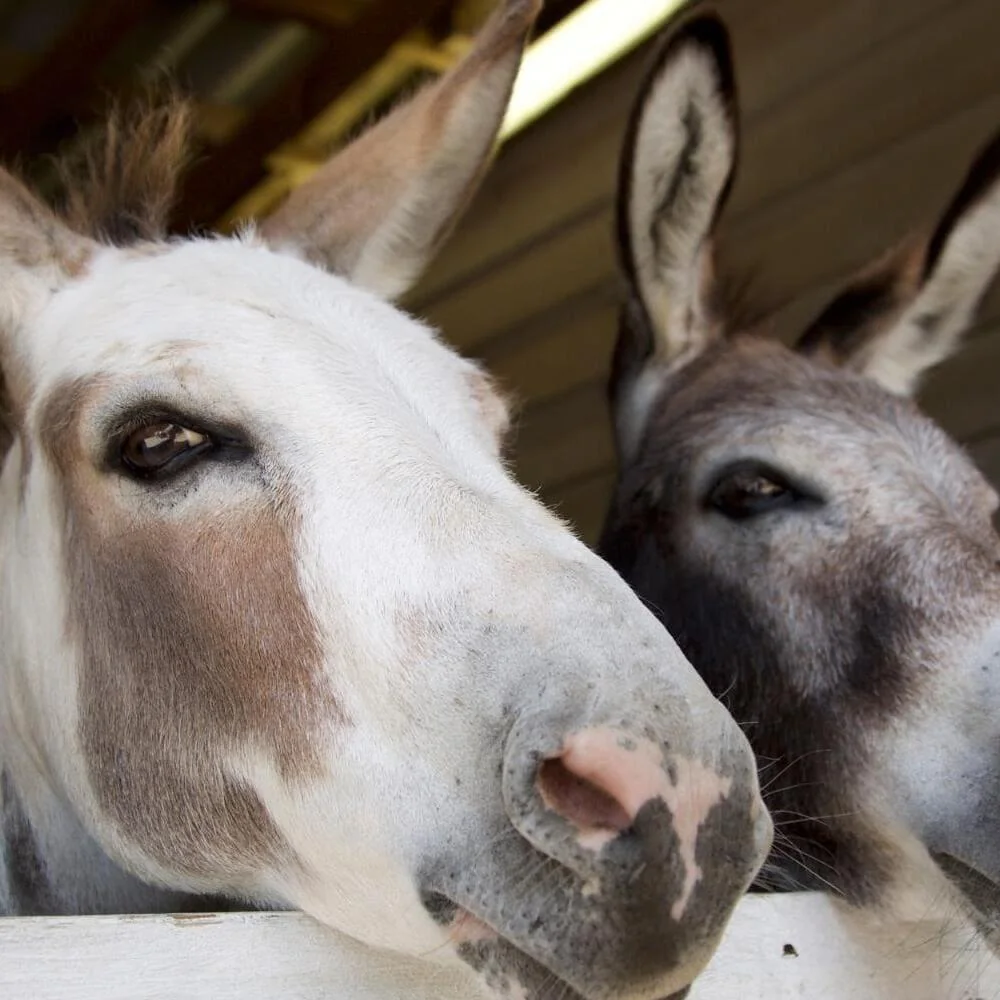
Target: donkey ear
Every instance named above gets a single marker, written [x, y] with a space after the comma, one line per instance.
[676, 172]
[38, 253]
[909, 314]
[378, 211]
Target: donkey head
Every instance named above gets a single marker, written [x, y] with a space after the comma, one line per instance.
[278, 624]
[821, 551]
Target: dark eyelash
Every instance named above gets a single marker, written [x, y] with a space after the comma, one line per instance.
[753, 467]
[227, 441]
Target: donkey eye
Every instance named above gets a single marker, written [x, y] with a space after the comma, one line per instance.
[161, 447]
[747, 492]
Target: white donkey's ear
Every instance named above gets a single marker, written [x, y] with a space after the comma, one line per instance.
[38, 256]
[902, 318]
[676, 171]
[378, 210]
[38, 253]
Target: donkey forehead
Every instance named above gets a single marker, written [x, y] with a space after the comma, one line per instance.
[753, 395]
[233, 307]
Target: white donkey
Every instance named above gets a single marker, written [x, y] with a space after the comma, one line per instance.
[823, 552]
[279, 627]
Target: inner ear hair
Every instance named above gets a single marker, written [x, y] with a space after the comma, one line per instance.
[900, 320]
[676, 172]
[871, 303]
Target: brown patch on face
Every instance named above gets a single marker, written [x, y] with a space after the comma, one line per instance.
[196, 644]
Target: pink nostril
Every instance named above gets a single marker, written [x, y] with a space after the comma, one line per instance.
[579, 800]
[600, 780]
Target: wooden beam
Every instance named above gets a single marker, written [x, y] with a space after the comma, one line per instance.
[222, 177]
[14, 66]
[67, 70]
[777, 947]
[323, 14]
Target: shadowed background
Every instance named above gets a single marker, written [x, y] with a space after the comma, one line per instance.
[860, 117]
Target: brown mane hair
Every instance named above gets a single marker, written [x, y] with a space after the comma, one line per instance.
[118, 182]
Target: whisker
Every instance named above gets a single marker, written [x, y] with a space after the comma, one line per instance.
[792, 763]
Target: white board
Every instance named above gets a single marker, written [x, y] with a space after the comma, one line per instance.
[801, 946]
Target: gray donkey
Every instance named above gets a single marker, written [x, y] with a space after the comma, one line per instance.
[822, 552]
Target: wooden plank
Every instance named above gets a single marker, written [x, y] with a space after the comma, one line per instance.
[780, 947]
[789, 47]
[564, 440]
[819, 233]
[584, 503]
[798, 243]
[790, 52]
[567, 438]
[884, 97]
[66, 72]
[322, 14]
[253, 956]
[222, 177]
[567, 262]
[567, 347]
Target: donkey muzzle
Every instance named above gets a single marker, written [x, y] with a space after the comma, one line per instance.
[651, 847]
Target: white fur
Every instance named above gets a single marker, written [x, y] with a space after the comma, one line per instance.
[453, 612]
[406, 509]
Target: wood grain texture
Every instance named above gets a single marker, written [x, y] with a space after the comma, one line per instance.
[800, 65]
[777, 948]
[860, 120]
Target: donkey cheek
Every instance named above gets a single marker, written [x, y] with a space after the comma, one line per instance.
[177, 667]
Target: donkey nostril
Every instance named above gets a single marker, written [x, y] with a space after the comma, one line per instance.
[578, 800]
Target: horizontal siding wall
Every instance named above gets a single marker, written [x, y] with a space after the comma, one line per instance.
[860, 117]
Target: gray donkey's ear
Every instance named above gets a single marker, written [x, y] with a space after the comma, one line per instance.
[676, 171]
[908, 314]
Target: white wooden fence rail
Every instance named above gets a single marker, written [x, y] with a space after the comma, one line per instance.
[804, 947]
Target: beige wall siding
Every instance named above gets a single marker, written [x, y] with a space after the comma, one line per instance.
[860, 117]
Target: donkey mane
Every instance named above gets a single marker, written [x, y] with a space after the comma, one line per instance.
[118, 182]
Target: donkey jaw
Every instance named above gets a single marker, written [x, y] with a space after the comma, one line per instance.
[519, 977]
[609, 937]
[502, 964]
